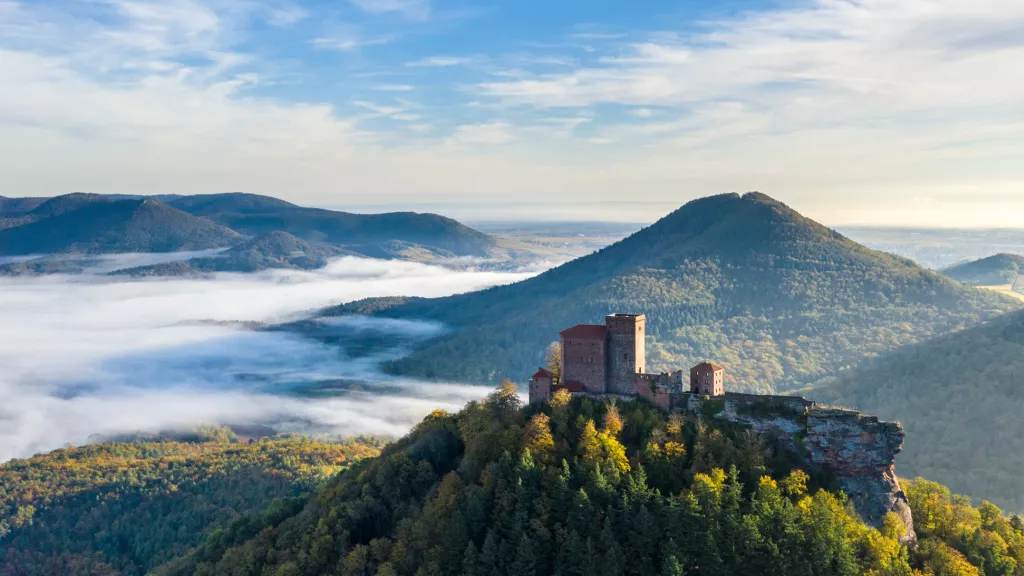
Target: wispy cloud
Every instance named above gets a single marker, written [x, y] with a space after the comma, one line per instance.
[865, 52]
[410, 8]
[491, 133]
[347, 42]
[440, 62]
[394, 87]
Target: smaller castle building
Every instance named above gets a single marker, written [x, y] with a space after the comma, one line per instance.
[610, 360]
[706, 378]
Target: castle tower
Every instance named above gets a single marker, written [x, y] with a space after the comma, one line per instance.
[540, 386]
[625, 355]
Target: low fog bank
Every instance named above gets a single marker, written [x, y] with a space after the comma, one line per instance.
[107, 263]
[89, 355]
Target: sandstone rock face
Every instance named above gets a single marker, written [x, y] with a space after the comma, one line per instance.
[860, 450]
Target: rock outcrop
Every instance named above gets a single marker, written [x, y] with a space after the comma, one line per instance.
[858, 450]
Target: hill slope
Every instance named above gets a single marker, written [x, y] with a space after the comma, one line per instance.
[365, 233]
[994, 270]
[960, 398]
[124, 508]
[78, 223]
[272, 250]
[778, 299]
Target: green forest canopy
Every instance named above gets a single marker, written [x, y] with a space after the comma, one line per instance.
[124, 508]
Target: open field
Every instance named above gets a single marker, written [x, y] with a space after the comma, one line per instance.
[1006, 289]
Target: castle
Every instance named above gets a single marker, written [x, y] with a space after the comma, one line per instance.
[609, 360]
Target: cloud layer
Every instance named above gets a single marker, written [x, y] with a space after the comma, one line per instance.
[100, 355]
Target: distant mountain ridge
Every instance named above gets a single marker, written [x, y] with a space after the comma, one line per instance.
[776, 298]
[994, 270]
[78, 223]
[95, 223]
[255, 215]
[11, 207]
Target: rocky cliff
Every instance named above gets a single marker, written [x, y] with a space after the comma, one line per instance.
[858, 450]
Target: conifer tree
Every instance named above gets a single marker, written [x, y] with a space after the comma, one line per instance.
[525, 563]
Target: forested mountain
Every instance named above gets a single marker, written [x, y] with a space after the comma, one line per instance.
[271, 250]
[77, 223]
[960, 399]
[584, 488]
[995, 270]
[10, 207]
[124, 508]
[229, 203]
[365, 233]
[96, 223]
[777, 299]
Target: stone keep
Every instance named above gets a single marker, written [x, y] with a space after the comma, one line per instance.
[625, 354]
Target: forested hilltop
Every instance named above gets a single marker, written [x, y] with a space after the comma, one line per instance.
[585, 488]
[995, 270]
[124, 508]
[960, 399]
[774, 297]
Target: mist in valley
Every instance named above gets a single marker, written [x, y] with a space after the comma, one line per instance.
[92, 356]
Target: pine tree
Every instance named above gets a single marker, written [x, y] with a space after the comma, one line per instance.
[613, 561]
[525, 563]
[470, 562]
[671, 567]
[488, 563]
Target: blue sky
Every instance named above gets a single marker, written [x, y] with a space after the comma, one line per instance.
[901, 112]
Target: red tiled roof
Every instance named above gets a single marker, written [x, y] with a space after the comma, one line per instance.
[571, 386]
[714, 367]
[543, 372]
[586, 331]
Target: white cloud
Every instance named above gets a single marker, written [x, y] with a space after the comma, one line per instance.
[441, 61]
[100, 355]
[410, 8]
[346, 43]
[395, 87]
[904, 54]
[492, 133]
